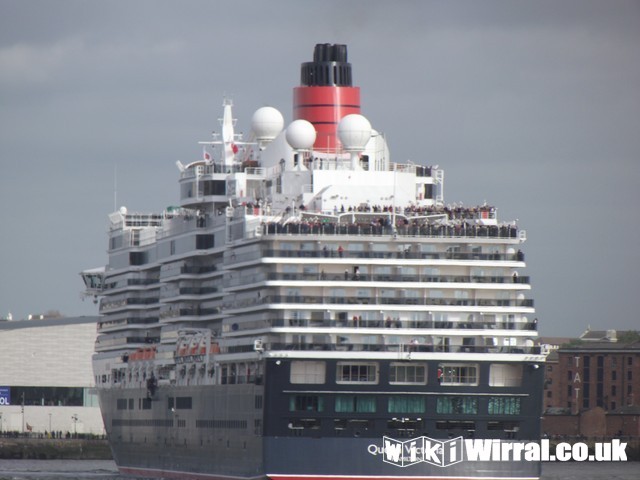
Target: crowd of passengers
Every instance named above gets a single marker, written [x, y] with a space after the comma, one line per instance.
[452, 213]
[382, 225]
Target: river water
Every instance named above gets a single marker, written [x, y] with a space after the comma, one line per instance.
[106, 470]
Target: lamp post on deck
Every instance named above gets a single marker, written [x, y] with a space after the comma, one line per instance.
[74, 417]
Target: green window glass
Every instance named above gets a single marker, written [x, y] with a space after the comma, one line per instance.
[504, 406]
[306, 403]
[457, 405]
[406, 404]
[355, 404]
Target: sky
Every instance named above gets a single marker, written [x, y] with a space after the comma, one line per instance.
[533, 107]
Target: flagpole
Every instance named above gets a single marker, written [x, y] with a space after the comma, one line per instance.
[115, 187]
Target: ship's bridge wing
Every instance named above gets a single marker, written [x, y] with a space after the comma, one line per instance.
[93, 280]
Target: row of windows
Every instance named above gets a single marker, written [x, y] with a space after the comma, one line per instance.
[157, 422]
[416, 373]
[51, 396]
[408, 426]
[406, 404]
[173, 403]
[233, 424]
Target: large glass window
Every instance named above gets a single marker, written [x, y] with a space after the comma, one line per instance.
[355, 404]
[406, 404]
[48, 396]
[357, 373]
[457, 405]
[457, 374]
[307, 372]
[306, 403]
[504, 406]
[505, 375]
[401, 373]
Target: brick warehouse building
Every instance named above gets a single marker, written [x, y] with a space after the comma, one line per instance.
[592, 386]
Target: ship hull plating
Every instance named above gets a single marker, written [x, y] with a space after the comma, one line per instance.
[159, 441]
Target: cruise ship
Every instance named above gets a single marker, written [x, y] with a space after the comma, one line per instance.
[310, 309]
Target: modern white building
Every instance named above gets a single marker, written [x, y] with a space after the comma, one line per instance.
[46, 378]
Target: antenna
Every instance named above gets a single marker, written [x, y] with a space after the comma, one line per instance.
[115, 187]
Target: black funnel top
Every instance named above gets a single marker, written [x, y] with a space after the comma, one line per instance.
[328, 69]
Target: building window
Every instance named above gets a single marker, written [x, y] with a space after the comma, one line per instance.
[408, 374]
[308, 372]
[614, 375]
[457, 405]
[629, 375]
[357, 373]
[406, 404]
[306, 403]
[355, 404]
[613, 391]
[456, 374]
[203, 242]
[183, 403]
[504, 405]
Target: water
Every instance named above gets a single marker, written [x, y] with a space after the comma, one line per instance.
[59, 470]
[106, 470]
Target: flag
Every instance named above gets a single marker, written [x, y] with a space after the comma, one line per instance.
[205, 155]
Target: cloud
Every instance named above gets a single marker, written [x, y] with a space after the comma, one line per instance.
[36, 64]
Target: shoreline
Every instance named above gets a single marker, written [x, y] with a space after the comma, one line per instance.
[54, 449]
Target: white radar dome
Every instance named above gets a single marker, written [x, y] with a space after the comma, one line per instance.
[301, 135]
[354, 131]
[267, 123]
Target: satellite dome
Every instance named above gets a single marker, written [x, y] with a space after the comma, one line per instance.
[354, 131]
[301, 135]
[267, 123]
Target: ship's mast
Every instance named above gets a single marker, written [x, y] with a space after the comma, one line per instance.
[228, 135]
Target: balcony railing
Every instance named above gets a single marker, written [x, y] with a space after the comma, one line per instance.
[405, 255]
[322, 300]
[380, 277]
[397, 348]
[429, 230]
[401, 324]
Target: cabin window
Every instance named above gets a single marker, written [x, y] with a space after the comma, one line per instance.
[355, 404]
[306, 403]
[457, 405]
[307, 372]
[348, 372]
[457, 374]
[183, 403]
[203, 242]
[504, 406]
[401, 373]
[406, 404]
[504, 375]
